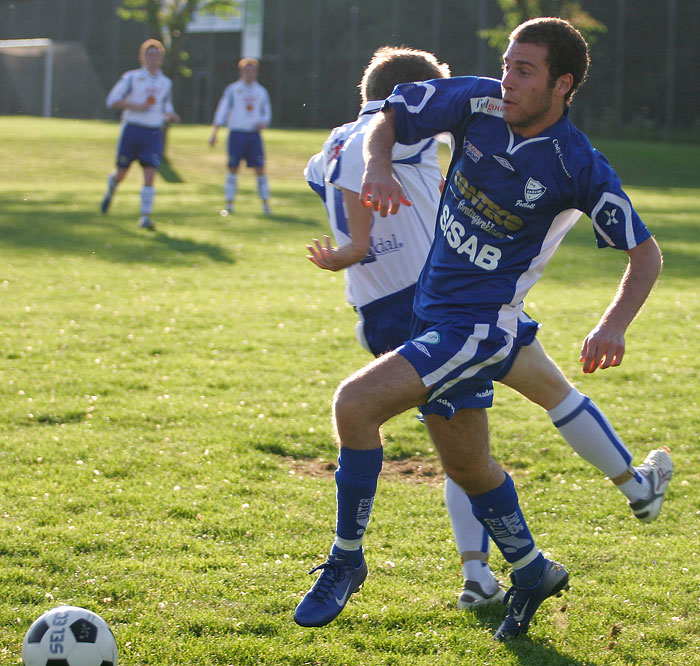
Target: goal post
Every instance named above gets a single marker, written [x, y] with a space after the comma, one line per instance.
[34, 47]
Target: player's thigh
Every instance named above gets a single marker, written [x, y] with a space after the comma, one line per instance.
[235, 150]
[386, 387]
[536, 376]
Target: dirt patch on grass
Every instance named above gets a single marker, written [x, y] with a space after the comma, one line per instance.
[411, 470]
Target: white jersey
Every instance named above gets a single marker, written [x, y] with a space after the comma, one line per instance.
[138, 85]
[243, 107]
[399, 243]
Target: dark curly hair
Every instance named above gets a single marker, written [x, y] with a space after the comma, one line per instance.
[567, 49]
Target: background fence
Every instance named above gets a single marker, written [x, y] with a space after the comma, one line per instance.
[644, 79]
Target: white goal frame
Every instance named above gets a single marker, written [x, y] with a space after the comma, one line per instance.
[48, 65]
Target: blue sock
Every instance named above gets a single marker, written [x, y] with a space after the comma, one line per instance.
[499, 512]
[356, 480]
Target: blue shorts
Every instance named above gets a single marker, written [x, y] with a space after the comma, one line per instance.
[248, 145]
[461, 361]
[137, 142]
[386, 324]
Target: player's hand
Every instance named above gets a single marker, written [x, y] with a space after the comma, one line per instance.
[382, 192]
[212, 140]
[174, 118]
[603, 348]
[322, 255]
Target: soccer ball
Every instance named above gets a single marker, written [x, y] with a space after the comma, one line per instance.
[69, 636]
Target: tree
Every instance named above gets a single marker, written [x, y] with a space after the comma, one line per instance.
[167, 21]
[517, 11]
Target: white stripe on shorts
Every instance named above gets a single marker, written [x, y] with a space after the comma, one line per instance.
[463, 356]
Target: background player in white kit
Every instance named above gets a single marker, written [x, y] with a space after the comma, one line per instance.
[533, 374]
[245, 109]
[145, 98]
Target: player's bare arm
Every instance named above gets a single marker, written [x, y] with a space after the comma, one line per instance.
[604, 346]
[380, 189]
[124, 104]
[359, 223]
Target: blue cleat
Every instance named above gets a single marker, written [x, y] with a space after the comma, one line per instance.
[145, 223]
[106, 200]
[522, 602]
[331, 591]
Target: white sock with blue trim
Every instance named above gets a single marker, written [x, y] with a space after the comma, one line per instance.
[230, 186]
[581, 423]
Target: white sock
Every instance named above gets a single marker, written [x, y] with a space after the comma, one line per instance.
[148, 195]
[230, 186]
[581, 423]
[470, 536]
[263, 188]
[635, 490]
[111, 183]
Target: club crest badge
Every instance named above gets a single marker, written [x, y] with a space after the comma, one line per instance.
[534, 190]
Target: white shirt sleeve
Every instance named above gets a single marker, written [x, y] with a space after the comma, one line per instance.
[168, 106]
[223, 108]
[265, 108]
[120, 90]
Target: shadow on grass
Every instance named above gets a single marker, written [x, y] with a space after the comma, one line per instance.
[529, 651]
[62, 227]
[167, 172]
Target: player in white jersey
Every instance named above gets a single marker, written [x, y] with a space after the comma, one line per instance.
[467, 313]
[379, 285]
[245, 109]
[145, 98]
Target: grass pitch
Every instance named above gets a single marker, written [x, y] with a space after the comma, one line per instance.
[166, 455]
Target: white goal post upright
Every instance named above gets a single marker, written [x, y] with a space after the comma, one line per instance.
[48, 64]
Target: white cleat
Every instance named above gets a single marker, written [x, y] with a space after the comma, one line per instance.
[658, 468]
[473, 596]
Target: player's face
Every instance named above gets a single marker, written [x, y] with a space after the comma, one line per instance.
[153, 59]
[249, 73]
[530, 102]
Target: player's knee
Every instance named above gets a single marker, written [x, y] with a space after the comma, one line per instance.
[348, 405]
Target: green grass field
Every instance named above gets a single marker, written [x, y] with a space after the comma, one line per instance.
[166, 455]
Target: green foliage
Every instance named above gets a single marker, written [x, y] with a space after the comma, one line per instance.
[167, 21]
[166, 455]
[516, 12]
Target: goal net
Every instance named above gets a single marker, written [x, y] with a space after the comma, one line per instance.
[42, 77]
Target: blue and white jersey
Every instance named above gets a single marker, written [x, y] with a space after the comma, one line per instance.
[398, 243]
[243, 107]
[138, 85]
[507, 202]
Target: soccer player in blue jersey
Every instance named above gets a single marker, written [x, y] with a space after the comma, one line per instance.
[519, 177]
[383, 262]
[145, 98]
[245, 109]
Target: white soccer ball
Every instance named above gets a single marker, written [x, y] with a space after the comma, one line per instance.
[69, 636]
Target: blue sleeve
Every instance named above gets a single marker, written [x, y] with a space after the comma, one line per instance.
[615, 221]
[427, 108]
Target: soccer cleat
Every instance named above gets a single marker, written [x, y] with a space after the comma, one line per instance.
[522, 602]
[473, 596]
[658, 468]
[266, 208]
[331, 591]
[106, 200]
[229, 207]
[145, 223]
